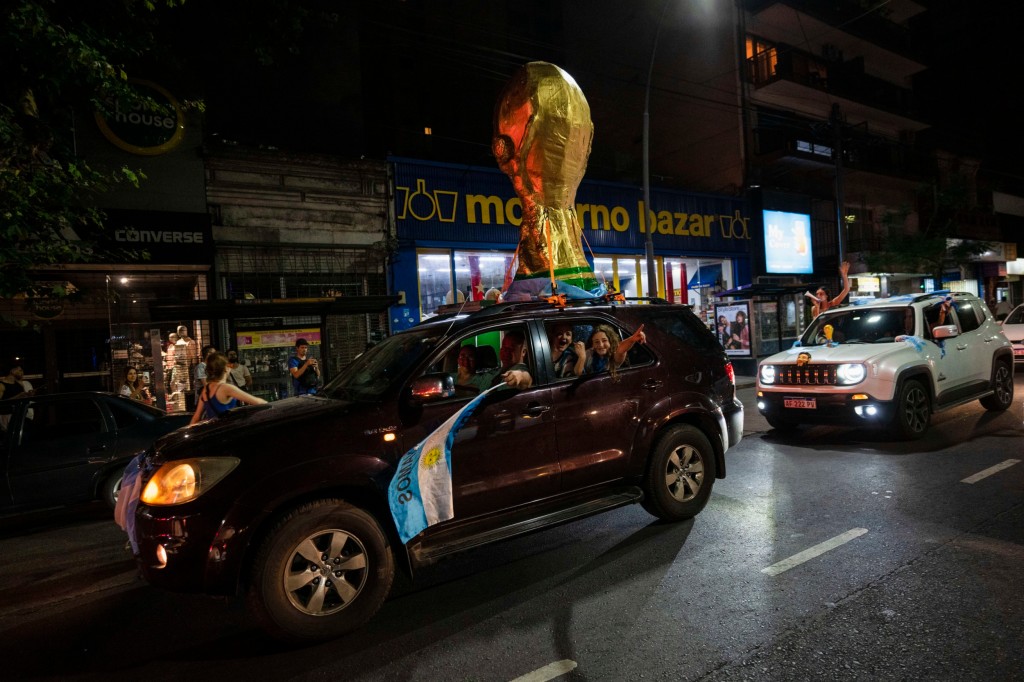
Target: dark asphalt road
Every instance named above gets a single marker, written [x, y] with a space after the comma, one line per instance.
[917, 578]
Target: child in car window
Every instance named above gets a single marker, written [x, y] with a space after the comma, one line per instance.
[567, 356]
[606, 352]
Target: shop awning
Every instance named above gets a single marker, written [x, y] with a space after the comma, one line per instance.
[775, 291]
[223, 310]
[706, 276]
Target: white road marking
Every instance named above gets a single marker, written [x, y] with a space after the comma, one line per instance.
[548, 672]
[991, 470]
[812, 552]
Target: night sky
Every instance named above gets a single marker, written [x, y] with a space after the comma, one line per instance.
[363, 77]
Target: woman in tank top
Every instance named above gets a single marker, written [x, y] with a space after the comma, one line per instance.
[218, 396]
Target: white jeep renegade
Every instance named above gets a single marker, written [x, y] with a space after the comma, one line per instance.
[889, 363]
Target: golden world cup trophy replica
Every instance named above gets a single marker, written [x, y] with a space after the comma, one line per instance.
[542, 137]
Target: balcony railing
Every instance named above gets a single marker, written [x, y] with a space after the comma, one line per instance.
[846, 79]
[867, 21]
[865, 152]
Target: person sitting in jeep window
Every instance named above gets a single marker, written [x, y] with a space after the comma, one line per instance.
[567, 356]
[938, 315]
[513, 370]
[820, 299]
[305, 370]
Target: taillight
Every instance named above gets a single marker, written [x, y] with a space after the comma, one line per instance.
[731, 373]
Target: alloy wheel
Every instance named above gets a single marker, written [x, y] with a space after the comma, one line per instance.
[915, 410]
[327, 572]
[684, 473]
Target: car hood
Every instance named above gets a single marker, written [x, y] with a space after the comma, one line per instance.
[842, 352]
[1014, 332]
[250, 420]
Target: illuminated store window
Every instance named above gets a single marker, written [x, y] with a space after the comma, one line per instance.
[604, 271]
[435, 277]
[676, 280]
[477, 272]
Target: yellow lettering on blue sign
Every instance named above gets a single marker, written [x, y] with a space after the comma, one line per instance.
[489, 209]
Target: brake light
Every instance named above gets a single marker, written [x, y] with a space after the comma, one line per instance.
[731, 373]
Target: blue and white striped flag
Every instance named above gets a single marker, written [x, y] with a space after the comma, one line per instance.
[420, 494]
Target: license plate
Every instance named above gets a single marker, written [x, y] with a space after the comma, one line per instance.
[800, 403]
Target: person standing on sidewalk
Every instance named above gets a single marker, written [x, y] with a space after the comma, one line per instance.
[238, 374]
[201, 370]
[304, 369]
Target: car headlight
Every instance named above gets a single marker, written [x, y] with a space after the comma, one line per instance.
[185, 480]
[767, 373]
[851, 373]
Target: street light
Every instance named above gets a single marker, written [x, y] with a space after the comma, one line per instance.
[652, 271]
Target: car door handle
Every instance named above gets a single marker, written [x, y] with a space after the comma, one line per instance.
[535, 410]
[93, 449]
[652, 384]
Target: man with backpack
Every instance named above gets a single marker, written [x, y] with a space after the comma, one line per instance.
[238, 374]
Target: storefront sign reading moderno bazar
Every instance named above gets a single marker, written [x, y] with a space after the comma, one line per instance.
[144, 132]
[476, 205]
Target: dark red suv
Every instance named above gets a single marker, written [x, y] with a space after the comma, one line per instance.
[287, 502]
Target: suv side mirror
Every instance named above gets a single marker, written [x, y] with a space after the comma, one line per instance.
[945, 331]
[431, 387]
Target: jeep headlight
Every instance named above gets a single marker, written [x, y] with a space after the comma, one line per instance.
[185, 480]
[851, 373]
[767, 374]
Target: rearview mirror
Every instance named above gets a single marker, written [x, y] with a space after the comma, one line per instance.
[432, 387]
[945, 331]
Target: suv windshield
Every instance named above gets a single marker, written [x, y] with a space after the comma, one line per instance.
[1015, 317]
[371, 374]
[860, 325]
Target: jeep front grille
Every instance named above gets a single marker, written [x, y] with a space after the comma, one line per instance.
[808, 375]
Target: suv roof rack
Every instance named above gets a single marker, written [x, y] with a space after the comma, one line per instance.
[931, 294]
[478, 311]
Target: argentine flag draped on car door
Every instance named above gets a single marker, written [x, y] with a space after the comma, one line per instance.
[420, 494]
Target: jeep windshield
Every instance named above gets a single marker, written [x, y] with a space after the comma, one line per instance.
[860, 325]
[373, 373]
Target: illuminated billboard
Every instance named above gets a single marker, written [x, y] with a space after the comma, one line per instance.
[787, 243]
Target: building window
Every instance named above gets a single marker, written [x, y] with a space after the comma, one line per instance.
[762, 60]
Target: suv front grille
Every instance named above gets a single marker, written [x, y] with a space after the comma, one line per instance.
[808, 375]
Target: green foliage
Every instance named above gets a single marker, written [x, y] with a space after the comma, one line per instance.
[61, 61]
[938, 245]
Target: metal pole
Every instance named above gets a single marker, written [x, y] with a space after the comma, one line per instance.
[837, 129]
[652, 271]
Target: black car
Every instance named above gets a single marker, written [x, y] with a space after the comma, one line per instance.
[72, 447]
[288, 502]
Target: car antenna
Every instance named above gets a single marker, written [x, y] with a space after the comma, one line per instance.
[457, 313]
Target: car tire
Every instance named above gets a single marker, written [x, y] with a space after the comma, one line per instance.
[782, 424]
[680, 474]
[299, 598]
[1002, 385]
[913, 411]
[111, 488]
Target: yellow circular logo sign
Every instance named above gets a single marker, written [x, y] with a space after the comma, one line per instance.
[144, 132]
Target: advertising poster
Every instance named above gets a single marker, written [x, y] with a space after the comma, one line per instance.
[787, 243]
[278, 338]
[733, 327]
